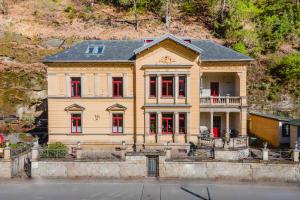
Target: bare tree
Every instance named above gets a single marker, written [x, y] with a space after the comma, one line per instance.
[3, 7]
[168, 12]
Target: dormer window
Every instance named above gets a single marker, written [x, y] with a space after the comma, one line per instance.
[188, 40]
[94, 49]
[147, 41]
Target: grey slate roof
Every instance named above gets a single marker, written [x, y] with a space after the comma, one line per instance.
[125, 50]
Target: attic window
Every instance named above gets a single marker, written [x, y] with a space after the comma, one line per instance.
[91, 49]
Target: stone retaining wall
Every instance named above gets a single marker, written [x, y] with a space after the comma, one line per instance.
[136, 167]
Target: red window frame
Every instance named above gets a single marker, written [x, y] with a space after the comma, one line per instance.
[118, 82]
[182, 84]
[182, 119]
[168, 120]
[153, 120]
[152, 84]
[118, 118]
[167, 83]
[76, 119]
[76, 84]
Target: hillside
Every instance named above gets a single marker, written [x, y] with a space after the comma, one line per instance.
[32, 29]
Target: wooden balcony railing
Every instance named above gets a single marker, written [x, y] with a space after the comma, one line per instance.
[222, 100]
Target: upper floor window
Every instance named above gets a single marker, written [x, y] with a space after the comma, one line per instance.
[75, 87]
[117, 85]
[167, 123]
[152, 84]
[153, 123]
[182, 123]
[117, 123]
[76, 126]
[167, 86]
[182, 81]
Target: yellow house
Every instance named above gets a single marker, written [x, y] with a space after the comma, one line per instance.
[273, 129]
[295, 132]
[146, 93]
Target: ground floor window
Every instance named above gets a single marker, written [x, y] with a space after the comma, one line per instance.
[153, 123]
[167, 123]
[117, 123]
[285, 130]
[182, 123]
[76, 124]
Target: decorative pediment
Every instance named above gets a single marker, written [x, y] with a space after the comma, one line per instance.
[74, 107]
[166, 60]
[116, 107]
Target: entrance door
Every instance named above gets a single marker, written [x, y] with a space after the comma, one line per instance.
[153, 166]
[217, 126]
[214, 88]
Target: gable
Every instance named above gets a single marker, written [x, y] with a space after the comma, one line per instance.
[74, 107]
[116, 107]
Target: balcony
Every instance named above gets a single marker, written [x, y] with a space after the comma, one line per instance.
[222, 101]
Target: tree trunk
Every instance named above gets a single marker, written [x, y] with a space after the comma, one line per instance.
[168, 13]
[135, 16]
[3, 7]
[223, 10]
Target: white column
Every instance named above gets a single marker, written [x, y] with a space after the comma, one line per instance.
[109, 85]
[188, 88]
[146, 87]
[68, 85]
[176, 88]
[158, 88]
[227, 122]
[125, 85]
[96, 84]
[188, 128]
[147, 127]
[211, 124]
[83, 80]
[159, 126]
[176, 118]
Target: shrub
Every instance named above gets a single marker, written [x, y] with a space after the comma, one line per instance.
[240, 47]
[55, 150]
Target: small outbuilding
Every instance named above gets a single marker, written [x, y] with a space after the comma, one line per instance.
[271, 128]
[294, 132]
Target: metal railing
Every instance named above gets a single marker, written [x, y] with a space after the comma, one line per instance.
[234, 142]
[15, 152]
[53, 153]
[221, 100]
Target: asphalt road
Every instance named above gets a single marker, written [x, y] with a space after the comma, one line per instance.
[143, 190]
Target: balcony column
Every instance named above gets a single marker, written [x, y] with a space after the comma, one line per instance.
[243, 122]
[147, 127]
[176, 133]
[146, 87]
[188, 128]
[242, 81]
[188, 88]
[227, 122]
[211, 124]
[176, 88]
[158, 88]
[159, 126]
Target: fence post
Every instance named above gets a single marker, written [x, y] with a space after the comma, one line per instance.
[296, 153]
[7, 152]
[123, 152]
[265, 152]
[78, 151]
[35, 154]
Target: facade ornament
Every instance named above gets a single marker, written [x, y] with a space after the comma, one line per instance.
[166, 60]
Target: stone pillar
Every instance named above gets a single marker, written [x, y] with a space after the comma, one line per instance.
[158, 88]
[168, 153]
[123, 152]
[227, 122]
[211, 124]
[109, 85]
[83, 84]
[265, 152]
[188, 88]
[35, 155]
[68, 85]
[159, 127]
[146, 87]
[176, 88]
[296, 153]
[96, 84]
[78, 151]
[188, 127]
[176, 134]
[243, 122]
[147, 127]
[7, 153]
[242, 81]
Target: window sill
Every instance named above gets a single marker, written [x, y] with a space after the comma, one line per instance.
[167, 97]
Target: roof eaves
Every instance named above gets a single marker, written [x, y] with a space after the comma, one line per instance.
[295, 122]
[228, 60]
[87, 61]
[171, 37]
